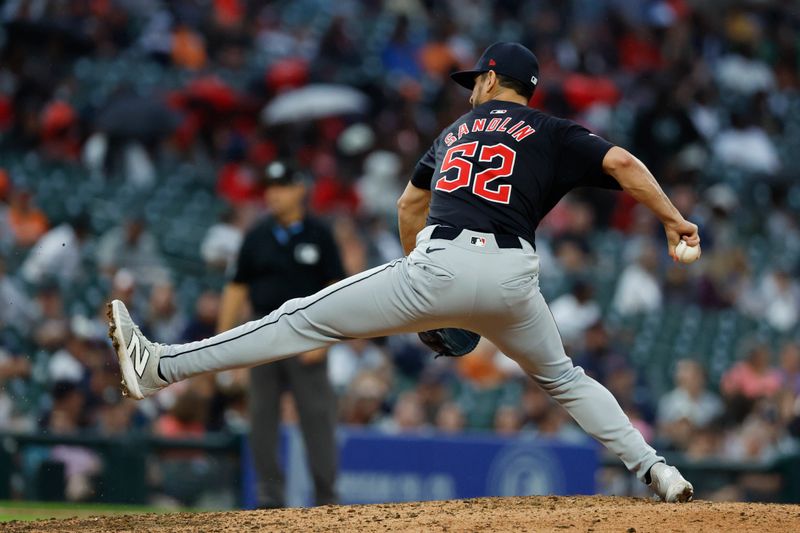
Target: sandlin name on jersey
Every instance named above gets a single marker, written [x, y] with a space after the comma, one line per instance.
[518, 131]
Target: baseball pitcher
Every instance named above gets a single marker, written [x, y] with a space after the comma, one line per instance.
[467, 224]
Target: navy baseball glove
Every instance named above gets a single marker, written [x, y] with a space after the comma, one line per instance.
[450, 342]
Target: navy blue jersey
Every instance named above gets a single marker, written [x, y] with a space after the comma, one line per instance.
[503, 166]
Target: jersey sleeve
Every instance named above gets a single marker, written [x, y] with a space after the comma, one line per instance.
[423, 172]
[580, 161]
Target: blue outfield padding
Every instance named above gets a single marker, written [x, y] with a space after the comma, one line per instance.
[376, 467]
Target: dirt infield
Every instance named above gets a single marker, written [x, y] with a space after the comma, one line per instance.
[535, 513]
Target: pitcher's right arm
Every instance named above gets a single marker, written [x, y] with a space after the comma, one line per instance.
[636, 180]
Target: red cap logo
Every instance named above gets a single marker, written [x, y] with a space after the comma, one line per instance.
[492, 63]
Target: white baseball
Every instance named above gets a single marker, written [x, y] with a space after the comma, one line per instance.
[686, 253]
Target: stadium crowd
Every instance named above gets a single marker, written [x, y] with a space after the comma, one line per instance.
[124, 92]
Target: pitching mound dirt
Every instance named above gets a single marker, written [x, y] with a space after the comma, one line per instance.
[535, 513]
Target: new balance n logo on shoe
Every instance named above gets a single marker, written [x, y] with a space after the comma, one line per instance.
[139, 355]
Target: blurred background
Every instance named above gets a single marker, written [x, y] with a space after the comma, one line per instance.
[133, 138]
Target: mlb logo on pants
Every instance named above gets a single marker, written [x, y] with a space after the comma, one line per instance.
[478, 241]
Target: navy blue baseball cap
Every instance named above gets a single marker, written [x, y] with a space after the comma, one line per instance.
[509, 59]
[282, 172]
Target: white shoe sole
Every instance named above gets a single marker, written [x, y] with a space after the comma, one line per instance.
[130, 384]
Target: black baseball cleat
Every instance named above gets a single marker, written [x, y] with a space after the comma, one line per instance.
[138, 357]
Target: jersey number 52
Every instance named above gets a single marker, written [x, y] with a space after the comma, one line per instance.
[458, 158]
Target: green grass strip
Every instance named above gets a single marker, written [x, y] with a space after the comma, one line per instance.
[27, 510]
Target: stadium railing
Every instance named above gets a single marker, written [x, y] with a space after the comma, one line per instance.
[123, 478]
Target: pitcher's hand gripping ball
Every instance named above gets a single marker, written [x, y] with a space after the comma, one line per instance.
[686, 253]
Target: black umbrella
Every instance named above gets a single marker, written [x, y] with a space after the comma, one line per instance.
[39, 34]
[137, 117]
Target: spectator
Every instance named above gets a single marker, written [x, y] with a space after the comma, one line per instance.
[450, 418]
[27, 222]
[6, 235]
[535, 404]
[790, 368]
[726, 281]
[638, 421]
[507, 420]
[58, 253]
[70, 364]
[52, 328]
[638, 290]
[575, 312]
[188, 48]
[164, 319]
[759, 439]
[689, 406]
[81, 464]
[722, 204]
[59, 131]
[132, 247]
[598, 357]
[237, 182]
[204, 322]
[116, 419]
[704, 112]
[746, 146]
[706, 443]
[184, 472]
[483, 367]
[220, 246]
[434, 390]
[17, 310]
[385, 244]
[362, 403]
[348, 359]
[408, 415]
[632, 393]
[379, 187]
[12, 368]
[555, 424]
[400, 56]
[123, 287]
[740, 71]
[186, 419]
[664, 130]
[752, 378]
[573, 257]
[777, 300]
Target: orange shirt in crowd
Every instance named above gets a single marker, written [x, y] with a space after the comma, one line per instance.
[188, 48]
[27, 225]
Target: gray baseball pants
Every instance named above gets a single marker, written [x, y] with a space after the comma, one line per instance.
[468, 282]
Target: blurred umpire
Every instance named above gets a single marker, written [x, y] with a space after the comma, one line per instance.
[288, 254]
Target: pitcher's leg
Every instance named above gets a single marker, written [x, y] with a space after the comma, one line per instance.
[374, 303]
[535, 344]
